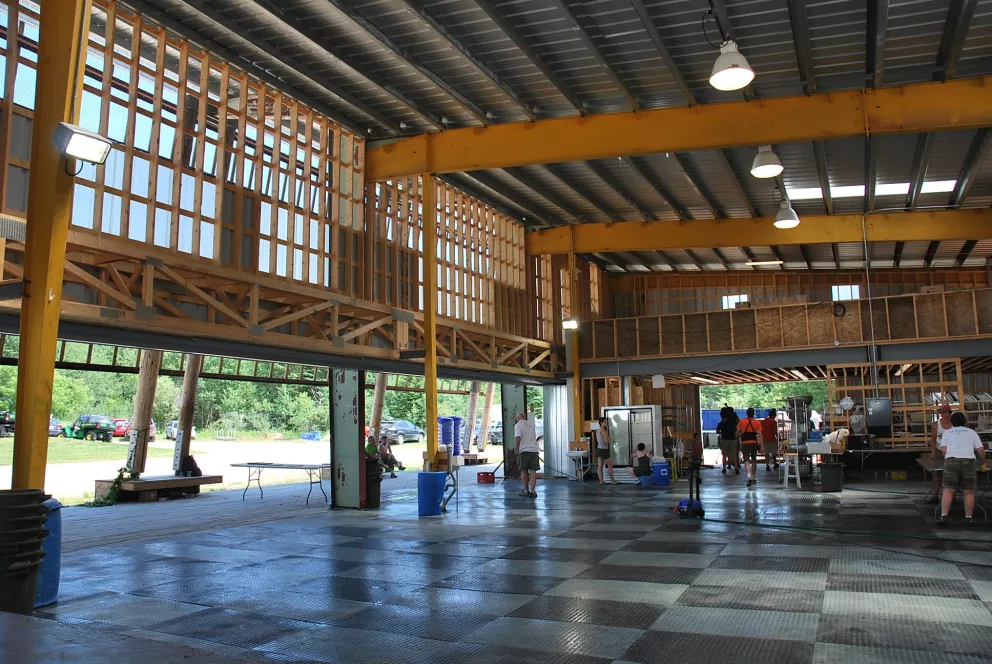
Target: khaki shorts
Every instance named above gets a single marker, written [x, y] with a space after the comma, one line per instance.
[529, 461]
[960, 474]
[730, 448]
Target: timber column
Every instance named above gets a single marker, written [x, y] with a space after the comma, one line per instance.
[144, 399]
[187, 406]
[378, 402]
[64, 26]
[430, 311]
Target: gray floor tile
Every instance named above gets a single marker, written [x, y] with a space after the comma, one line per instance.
[901, 633]
[762, 599]
[834, 653]
[230, 627]
[935, 609]
[635, 591]
[788, 626]
[657, 647]
[500, 583]
[127, 610]
[317, 608]
[547, 635]
[762, 579]
[584, 543]
[650, 574]
[533, 568]
[983, 589]
[913, 568]
[593, 611]
[454, 599]
[902, 585]
[772, 563]
[660, 559]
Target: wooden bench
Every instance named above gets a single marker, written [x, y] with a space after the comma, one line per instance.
[150, 489]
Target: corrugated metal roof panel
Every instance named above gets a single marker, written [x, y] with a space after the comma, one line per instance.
[541, 179]
[710, 171]
[674, 178]
[634, 189]
[588, 183]
[974, 59]
[912, 39]
[837, 38]
[764, 35]
[761, 193]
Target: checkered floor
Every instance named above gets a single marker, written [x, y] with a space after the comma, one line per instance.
[582, 574]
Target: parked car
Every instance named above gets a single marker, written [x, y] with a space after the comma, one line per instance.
[496, 433]
[172, 427]
[152, 431]
[54, 428]
[90, 427]
[402, 431]
[120, 427]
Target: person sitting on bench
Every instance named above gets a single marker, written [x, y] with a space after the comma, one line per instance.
[386, 457]
[642, 461]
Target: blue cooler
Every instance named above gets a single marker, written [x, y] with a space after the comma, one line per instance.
[662, 473]
[645, 480]
[430, 493]
[50, 571]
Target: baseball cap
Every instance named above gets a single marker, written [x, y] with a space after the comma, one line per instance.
[945, 408]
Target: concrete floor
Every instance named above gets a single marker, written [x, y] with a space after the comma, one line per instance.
[583, 574]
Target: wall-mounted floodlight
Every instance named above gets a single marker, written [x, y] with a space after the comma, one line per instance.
[570, 324]
[81, 144]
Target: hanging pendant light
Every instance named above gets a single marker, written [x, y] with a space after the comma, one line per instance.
[766, 163]
[731, 70]
[786, 217]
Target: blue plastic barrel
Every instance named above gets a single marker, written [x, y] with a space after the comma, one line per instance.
[662, 473]
[430, 493]
[456, 435]
[51, 565]
[445, 429]
[645, 480]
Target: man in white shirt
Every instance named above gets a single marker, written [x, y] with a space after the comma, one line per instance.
[525, 433]
[959, 445]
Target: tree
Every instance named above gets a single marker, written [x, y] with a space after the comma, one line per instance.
[763, 395]
[71, 396]
[166, 404]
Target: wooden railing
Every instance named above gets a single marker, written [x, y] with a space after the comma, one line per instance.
[897, 319]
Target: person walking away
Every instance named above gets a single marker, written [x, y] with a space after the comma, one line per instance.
[729, 447]
[386, 457]
[642, 462]
[769, 439]
[959, 445]
[749, 430]
[603, 456]
[942, 425]
[525, 434]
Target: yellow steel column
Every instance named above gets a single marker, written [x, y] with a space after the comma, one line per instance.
[576, 372]
[429, 201]
[64, 25]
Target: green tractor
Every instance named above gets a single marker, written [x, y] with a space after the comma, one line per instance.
[90, 427]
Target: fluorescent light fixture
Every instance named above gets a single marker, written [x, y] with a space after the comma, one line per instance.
[786, 217]
[81, 144]
[938, 186]
[570, 324]
[805, 194]
[756, 263]
[731, 70]
[704, 380]
[766, 163]
[799, 374]
[903, 369]
[850, 191]
[894, 189]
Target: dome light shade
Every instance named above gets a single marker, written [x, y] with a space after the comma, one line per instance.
[766, 163]
[786, 217]
[731, 70]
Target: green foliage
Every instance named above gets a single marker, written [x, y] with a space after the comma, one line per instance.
[166, 404]
[112, 493]
[68, 393]
[764, 395]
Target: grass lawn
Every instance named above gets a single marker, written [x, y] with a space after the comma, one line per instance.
[68, 450]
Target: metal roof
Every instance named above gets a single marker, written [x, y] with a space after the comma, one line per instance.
[390, 68]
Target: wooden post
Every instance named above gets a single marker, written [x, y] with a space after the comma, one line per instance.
[144, 399]
[430, 313]
[378, 400]
[191, 379]
[61, 32]
[487, 415]
[473, 408]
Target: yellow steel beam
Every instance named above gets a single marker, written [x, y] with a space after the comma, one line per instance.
[924, 107]
[972, 224]
[429, 202]
[49, 208]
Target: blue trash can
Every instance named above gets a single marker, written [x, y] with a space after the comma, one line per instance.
[662, 473]
[430, 493]
[645, 480]
[51, 565]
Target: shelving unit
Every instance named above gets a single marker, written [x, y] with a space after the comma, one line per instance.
[915, 390]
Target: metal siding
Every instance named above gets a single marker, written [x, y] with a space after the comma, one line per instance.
[913, 39]
[670, 173]
[764, 35]
[837, 38]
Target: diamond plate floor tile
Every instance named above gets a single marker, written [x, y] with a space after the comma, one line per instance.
[643, 573]
[209, 592]
[585, 543]
[901, 585]
[500, 583]
[666, 647]
[762, 579]
[787, 626]
[912, 568]
[934, 609]
[771, 563]
[420, 576]
[635, 591]
[558, 555]
[547, 635]
[975, 573]
[766, 599]
[344, 645]
[598, 533]
[532, 568]
[210, 553]
[477, 653]
[358, 590]
[779, 550]
[635, 558]
[453, 599]
[316, 608]
[415, 621]
[592, 611]
[127, 610]
[468, 550]
[834, 653]
[230, 627]
[242, 654]
[983, 589]
[651, 546]
[877, 631]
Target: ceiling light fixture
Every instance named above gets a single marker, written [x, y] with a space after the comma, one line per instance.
[756, 263]
[731, 70]
[766, 163]
[570, 324]
[786, 217]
